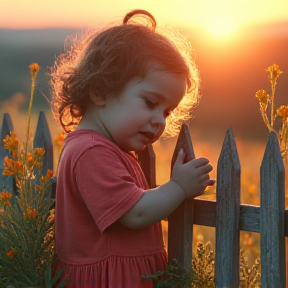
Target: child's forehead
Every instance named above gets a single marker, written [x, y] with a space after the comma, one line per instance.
[156, 75]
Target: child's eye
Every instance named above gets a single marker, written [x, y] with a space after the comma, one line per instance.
[150, 104]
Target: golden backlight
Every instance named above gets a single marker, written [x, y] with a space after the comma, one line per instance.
[221, 26]
[220, 17]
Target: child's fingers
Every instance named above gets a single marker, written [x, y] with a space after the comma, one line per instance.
[200, 162]
[205, 169]
[210, 182]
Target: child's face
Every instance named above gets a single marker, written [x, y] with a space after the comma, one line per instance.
[137, 116]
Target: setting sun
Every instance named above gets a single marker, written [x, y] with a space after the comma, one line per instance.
[221, 26]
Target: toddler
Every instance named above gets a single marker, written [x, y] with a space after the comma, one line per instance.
[115, 92]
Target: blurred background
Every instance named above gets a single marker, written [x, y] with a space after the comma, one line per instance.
[234, 42]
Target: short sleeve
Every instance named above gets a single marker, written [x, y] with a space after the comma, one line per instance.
[107, 184]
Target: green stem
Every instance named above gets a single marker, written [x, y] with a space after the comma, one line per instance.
[273, 86]
[29, 116]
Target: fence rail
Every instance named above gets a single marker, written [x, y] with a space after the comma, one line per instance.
[226, 214]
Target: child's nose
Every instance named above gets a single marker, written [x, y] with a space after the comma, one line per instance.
[159, 119]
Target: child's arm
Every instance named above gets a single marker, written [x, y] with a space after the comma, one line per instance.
[188, 180]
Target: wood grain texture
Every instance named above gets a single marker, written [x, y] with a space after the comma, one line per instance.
[272, 216]
[180, 222]
[227, 215]
[43, 139]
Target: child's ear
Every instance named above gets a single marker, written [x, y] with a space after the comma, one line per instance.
[97, 100]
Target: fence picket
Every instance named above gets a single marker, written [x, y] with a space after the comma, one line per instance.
[227, 215]
[272, 220]
[7, 183]
[43, 139]
[180, 222]
[146, 159]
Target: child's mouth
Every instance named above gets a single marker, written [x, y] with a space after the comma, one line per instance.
[149, 135]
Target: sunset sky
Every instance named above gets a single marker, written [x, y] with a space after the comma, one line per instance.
[218, 17]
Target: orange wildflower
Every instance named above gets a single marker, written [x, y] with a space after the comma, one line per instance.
[34, 68]
[5, 198]
[39, 152]
[8, 166]
[18, 167]
[274, 73]
[1, 220]
[59, 140]
[31, 214]
[11, 253]
[2, 224]
[51, 217]
[29, 160]
[49, 175]
[38, 165]
[263, 98]
[11, 143]
[283, 112]
[8, 173]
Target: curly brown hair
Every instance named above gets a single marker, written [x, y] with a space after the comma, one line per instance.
[100, 64]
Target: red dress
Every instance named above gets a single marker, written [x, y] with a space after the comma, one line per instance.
[97, 183]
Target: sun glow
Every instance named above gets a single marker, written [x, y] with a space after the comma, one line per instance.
[221, 26]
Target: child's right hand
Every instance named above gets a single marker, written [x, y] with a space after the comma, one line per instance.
[192, 176]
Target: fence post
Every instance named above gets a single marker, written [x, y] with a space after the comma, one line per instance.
[180, 222]
[146, 159]
[227, 215]
[272, 220]
[6, 182]
[42, 139]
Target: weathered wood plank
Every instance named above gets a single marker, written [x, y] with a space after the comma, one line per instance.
[204, 212]
[146, 159]
[43, 139]
[227, 215]
[7, 183]
[249, 218]
[205, 215]
[272, 226]
[180, 222]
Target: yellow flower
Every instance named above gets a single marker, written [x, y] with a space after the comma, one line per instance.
[11, 253]
[283, 112]
[34, 68]
[263, 98]
[5, 198]
[275, 72]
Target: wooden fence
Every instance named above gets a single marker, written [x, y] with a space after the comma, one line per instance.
[225, 214]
